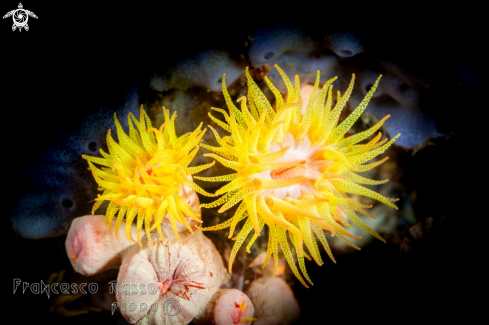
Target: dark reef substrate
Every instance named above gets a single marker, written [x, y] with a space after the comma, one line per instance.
[55, 74]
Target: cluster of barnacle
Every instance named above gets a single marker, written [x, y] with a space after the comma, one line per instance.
[293, 169]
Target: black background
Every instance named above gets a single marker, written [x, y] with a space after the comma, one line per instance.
[78, 52]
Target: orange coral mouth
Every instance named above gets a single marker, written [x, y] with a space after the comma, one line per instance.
[276, 173]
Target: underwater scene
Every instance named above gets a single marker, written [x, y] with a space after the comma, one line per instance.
[249, 168]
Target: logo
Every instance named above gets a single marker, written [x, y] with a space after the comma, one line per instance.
[20, 17]
[171, 307]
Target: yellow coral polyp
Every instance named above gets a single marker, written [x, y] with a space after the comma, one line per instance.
[143, 175]
[294, 167]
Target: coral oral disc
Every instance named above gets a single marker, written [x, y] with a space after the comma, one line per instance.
[145, 175]
[294, 168]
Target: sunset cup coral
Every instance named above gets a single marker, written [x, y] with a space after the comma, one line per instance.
[294, 167]
[145, 174]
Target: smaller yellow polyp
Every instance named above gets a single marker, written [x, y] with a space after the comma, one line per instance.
[293, 169]
[143, 174]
